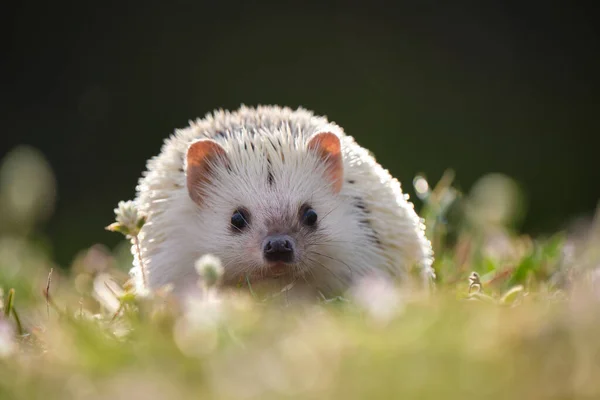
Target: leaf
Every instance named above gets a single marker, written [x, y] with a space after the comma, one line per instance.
[527, 265]
[117, 227]
[480, 296]
[141, 222]
[553, 246]
[127, 298]
[512, 294]
[488, 265]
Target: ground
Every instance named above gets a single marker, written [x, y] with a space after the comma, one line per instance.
[510, 316]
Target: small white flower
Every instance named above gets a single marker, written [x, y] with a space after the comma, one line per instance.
[378, 296]
[7, 341]
[210, 269]
[127, 214]
[128, 220]
[201, 311]
[108, 293]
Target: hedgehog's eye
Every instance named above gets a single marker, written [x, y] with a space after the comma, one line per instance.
[309, 217]
[239, 219]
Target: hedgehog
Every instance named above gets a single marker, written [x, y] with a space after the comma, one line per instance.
[279, 195]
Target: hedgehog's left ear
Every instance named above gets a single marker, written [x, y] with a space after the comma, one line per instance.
[328, 147]
[202, 156]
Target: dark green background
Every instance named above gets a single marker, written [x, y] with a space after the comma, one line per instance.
[424, 85]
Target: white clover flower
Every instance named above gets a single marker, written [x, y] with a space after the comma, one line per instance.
[378, 297]
[210, 269]
[196, 332]
[107, 292]
[129, 221]
[7, 341]
[203, 311]
[127, 214]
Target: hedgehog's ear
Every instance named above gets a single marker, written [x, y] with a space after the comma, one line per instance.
[328, 147]
[202, 156]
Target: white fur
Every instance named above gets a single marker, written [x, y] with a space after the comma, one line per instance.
[178, 231]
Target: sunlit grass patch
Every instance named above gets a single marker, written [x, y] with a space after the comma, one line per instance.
[511, 316]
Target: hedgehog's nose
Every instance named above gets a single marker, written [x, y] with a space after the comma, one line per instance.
[279, 248]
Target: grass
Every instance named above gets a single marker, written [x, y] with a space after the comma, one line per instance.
[510, 317]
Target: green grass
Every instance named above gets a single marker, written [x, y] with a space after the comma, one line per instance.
[510, 317]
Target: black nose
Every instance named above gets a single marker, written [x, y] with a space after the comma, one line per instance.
[279, 248]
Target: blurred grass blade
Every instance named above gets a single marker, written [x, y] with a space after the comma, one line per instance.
[18, 322]
[9, 302]
[512, 295]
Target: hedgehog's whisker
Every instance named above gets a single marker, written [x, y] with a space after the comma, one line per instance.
[326, 269]
[246, 221]
[306, 269]
[239, 230]
[333, 241]
[303, 276]
[243, 267]
[337, 245]
[330, 211]
[334, 259]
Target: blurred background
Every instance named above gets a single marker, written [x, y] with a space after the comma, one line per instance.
[90, 91]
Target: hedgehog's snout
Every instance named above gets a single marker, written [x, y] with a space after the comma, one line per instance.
[279, 248]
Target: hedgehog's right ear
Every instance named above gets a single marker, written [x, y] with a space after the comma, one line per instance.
[202, 156]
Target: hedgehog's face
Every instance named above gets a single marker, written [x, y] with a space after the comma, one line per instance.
[268, 211]
[272, 241]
